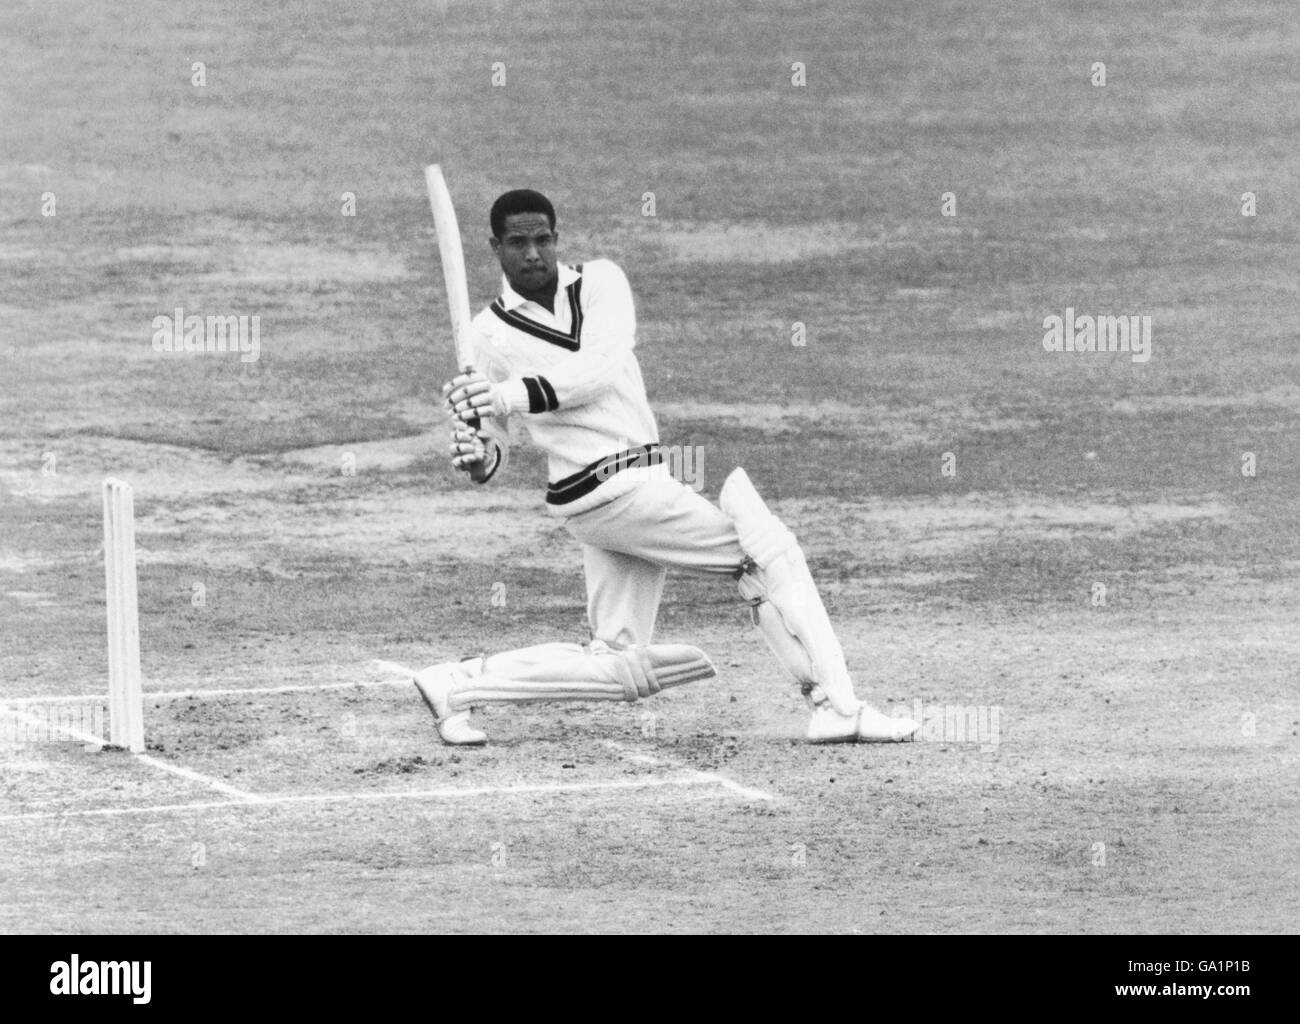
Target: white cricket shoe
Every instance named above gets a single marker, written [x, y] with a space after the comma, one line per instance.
[435, 685]
[867, 726]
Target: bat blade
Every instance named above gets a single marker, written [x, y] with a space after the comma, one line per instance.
[453, 273]
[453, 262]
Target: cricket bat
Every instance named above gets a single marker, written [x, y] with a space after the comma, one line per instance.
[453, 273]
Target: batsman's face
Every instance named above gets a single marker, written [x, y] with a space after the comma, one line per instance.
[526, 250]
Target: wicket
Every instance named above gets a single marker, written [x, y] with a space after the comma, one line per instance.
[125, 700]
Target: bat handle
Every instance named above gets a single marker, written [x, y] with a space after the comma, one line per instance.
[477, 470]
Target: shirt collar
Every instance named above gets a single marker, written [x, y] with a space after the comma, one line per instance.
[511, 299]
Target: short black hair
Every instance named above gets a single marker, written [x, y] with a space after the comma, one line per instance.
[520, 200]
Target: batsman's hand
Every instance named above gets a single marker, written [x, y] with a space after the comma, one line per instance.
[472, 396]
[467, 448]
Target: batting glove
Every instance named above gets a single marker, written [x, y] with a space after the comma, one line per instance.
[473, 396]
[466, 448]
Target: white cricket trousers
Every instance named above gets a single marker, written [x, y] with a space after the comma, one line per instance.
[629, 544]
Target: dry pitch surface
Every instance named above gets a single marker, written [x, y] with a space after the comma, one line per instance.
[1142, 776]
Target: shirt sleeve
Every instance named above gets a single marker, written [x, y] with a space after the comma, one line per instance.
[608, 336]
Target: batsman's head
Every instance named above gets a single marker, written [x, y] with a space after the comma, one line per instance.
[524, 239]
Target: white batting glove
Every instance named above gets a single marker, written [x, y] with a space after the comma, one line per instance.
[466, 448]
[473, 396]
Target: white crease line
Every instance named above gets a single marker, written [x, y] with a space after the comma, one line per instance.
[180, 694]
[389, 666]
[193, 776]
[307, 688]
[394, 667]
[152, 762]
[748, 792]
[695, 779]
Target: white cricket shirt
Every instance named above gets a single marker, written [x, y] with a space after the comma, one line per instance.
[573, 377]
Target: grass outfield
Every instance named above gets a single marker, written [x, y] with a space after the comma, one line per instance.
[296, 519]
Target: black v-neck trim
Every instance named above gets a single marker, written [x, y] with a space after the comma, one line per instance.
[571, 341]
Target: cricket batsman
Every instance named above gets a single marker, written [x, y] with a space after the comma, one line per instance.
[556, 349]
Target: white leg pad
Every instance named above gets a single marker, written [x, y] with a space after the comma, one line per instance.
[568, 671]
[787, 607]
